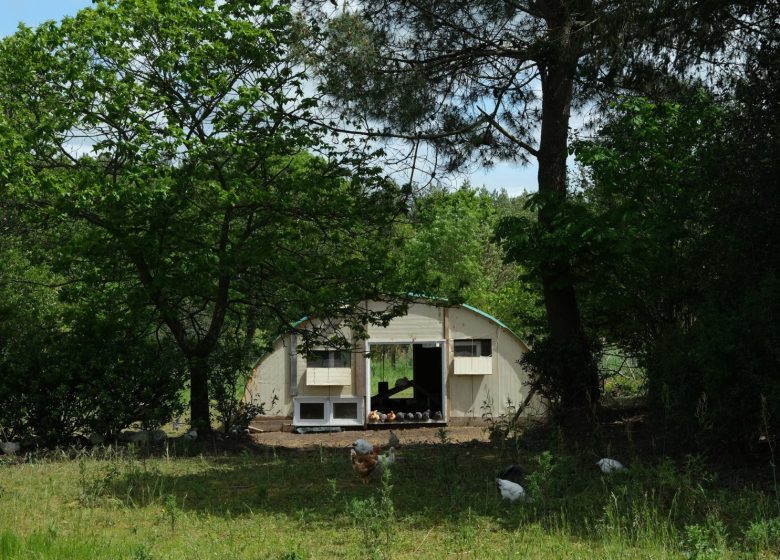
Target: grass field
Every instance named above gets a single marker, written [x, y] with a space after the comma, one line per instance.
[440, 502]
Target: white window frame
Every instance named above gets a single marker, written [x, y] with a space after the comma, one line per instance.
[328, 403]
[330, 374]
[477, 363]
[331, 358]
[472, 342]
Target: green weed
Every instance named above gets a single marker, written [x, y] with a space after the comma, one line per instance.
[171, 510]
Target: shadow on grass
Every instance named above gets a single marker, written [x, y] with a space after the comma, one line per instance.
[435, 482]
[441, 484]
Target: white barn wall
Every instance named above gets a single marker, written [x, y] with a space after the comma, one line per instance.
[469, 393]
[465, 323]
[271, 377]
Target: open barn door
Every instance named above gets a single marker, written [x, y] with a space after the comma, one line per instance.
[407, 379]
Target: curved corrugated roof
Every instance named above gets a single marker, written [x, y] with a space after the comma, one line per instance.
[476, 310]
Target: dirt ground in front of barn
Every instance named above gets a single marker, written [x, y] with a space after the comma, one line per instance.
[407, 436]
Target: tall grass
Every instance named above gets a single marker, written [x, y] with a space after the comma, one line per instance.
[442, 503]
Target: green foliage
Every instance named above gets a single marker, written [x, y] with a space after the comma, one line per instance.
[78, 365]
[544, 478]
[228, 374]
[191, 195]
[547, 364]
[375, 518]
[142, 553]
[171, 510]
[504, 430]
[763, 534]
[677, 267]
[704, 542]
[450, 235]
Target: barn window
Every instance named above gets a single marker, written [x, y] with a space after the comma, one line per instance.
[312, 410]
[345, 411]
[329, 359]
[329, 367]
[473, 356]
[473, 348]
[328, 411]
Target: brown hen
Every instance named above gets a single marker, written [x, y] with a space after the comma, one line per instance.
[364, 464]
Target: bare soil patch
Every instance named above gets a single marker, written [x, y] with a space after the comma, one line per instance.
[407, 436]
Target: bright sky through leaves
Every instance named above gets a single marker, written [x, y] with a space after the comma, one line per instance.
[513, 178]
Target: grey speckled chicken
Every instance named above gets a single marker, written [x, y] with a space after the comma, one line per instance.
[392, 439]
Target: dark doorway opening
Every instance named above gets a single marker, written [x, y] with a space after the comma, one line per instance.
[428, 379]
[418, 391]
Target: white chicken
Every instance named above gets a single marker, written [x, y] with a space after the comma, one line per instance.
[609, 466]
[511, 491]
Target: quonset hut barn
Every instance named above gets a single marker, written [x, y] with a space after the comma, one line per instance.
[434, 365]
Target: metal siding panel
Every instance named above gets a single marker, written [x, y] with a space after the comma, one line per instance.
[293, 364]
[328, 376]
[423, 322]
[515, 380]
[464, 323]
[359, 368]
[270, 378]
[474, 366]
[461, 396]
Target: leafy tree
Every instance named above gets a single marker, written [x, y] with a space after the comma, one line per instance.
[168, 142]
[678, 241]
[644, 215]
[451, 230]
[479, 79]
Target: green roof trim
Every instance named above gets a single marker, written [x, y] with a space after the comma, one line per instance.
[489, 316]
[475, 310]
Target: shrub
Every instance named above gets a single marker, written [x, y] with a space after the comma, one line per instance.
[98, 375]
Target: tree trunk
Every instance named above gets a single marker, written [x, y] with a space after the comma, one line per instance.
[200, 416]
[578, 381]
